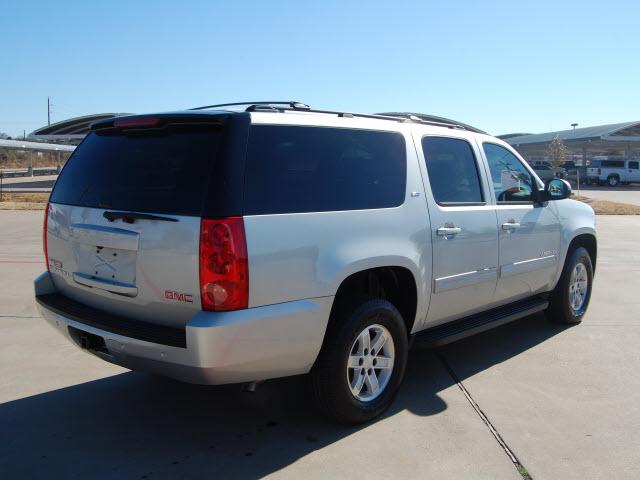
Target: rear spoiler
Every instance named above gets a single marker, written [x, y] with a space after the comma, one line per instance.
[156, 121]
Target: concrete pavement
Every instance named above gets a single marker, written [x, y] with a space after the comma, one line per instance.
[565, 400]
[623, 193]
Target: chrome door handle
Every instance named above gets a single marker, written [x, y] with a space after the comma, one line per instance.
[510, 225]
[444, 231]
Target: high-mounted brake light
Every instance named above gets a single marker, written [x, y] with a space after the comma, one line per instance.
[136, 122]
[44, 236]
[224, 269]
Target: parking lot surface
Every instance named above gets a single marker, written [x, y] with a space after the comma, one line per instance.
[565, 401]
[623, 193]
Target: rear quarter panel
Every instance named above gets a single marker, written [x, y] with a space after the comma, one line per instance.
[308, 255]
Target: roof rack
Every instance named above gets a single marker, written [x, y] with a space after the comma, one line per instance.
[291, 105]
[422, 117]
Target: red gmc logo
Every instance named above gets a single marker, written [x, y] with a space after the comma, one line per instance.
[180, 297]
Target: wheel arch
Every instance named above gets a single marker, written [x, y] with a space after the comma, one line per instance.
[394, 283]
[587, 241]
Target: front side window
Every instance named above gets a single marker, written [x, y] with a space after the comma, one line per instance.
[511, 180]
[453, 171]
[633, 165]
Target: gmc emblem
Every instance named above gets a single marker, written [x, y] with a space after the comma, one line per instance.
[180, 297]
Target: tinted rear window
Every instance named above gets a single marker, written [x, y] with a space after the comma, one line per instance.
[313, 169]
[452, 169]
[164, 173]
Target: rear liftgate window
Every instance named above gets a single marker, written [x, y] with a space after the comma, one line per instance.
[164, 172]
[294, 169]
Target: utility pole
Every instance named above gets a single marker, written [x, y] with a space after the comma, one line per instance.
[48, 111]
[584, 161]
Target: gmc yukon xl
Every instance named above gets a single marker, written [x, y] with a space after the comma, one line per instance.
[223, 245]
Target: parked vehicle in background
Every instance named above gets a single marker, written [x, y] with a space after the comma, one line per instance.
[613, 172]
[218, 246]
[572, 172]
[547, 172]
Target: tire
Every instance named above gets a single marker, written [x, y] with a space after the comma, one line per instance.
[330, 379]
[613, 180]
[560, 308]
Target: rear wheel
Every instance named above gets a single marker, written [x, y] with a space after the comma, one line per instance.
[613, 180]
[362, 362]
[570, 299]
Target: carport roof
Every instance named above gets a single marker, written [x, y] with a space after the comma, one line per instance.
[614, 132]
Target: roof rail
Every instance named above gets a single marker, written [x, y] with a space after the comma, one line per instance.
[290, 103]
[430, 119]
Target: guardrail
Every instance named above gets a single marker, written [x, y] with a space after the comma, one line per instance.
[27, 172]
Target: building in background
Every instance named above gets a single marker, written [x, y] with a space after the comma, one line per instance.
[614, 141]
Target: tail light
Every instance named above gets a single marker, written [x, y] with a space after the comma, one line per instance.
[44, 236]
[224, 269]
[599, 172]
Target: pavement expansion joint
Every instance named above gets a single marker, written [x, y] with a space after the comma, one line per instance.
[517, 464]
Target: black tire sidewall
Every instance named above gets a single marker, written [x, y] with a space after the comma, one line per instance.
[371, 312]
[563, 307]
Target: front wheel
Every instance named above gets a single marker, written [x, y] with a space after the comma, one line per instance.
[570, 299]
[361, 363]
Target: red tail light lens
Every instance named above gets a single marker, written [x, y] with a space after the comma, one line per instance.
[224, 269]
[44, 236]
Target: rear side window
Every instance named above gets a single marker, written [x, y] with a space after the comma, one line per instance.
[453, 171]
[164, 173]
[294, 169]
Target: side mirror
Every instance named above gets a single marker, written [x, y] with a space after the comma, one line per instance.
[556, 189]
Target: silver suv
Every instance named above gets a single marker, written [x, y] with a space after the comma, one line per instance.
[221, 246]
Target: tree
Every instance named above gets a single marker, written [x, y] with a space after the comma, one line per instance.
[557, 152]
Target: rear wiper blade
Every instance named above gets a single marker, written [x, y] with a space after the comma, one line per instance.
[130, 217]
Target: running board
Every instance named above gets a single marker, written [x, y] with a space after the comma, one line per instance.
[465, 327]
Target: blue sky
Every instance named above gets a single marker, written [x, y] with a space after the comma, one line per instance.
[503, 66]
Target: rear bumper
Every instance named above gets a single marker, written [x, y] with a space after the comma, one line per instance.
[222, 347]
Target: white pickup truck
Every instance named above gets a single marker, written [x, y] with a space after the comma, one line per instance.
[613, 172]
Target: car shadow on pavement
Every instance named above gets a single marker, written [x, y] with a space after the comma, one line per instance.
[135, 425]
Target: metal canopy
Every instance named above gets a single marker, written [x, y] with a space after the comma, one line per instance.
[615, 132]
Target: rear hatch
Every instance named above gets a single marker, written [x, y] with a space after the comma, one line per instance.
[124, 217]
